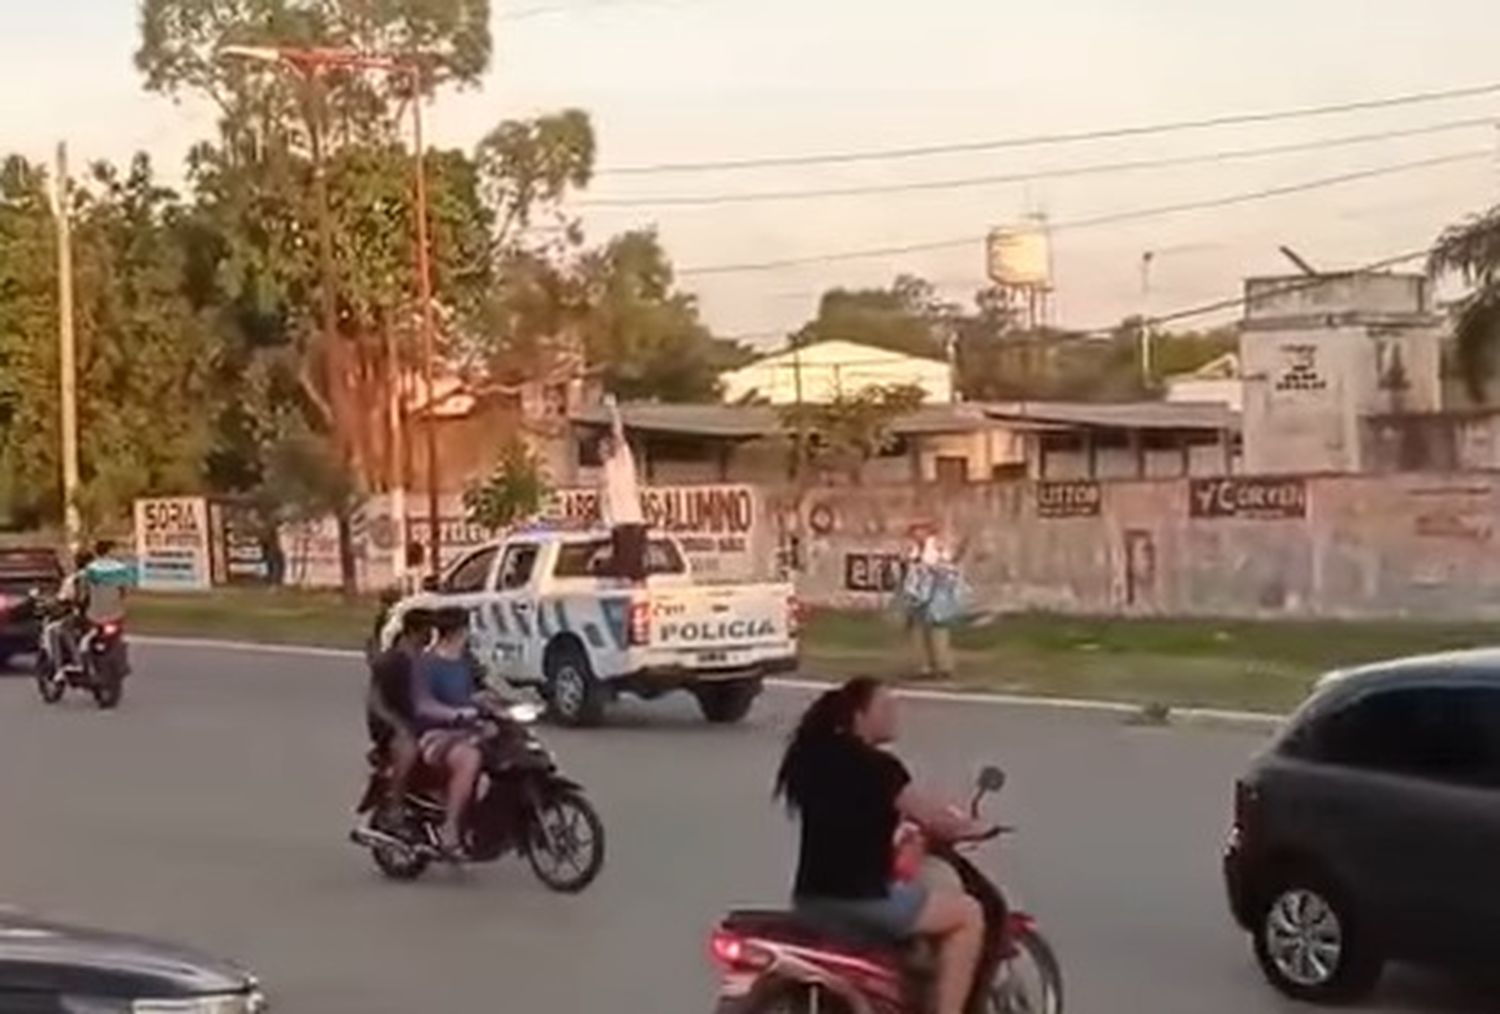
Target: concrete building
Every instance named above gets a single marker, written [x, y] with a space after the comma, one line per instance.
[1322, 355]
[1215, 382]
[947, 444]
[822, 371]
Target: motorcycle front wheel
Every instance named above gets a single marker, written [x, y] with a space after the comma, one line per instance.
[49, 682]
[565, 843]
[1030, 981]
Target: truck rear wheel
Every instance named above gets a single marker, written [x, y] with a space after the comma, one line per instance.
[573, 692]
[729, 702]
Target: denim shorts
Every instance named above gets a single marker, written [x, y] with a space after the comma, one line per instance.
[893, 917]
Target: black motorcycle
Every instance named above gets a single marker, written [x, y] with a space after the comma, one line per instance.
[522, 804]
[101, 665]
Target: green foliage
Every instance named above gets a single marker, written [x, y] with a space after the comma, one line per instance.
[1470, 251]
[515, 490]
[643, 334]
[840, 436]
[142, 349]
[908, 317]
[306, 480]
[30, 479]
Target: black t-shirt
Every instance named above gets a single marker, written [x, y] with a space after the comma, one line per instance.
[847, 799]
[390, 680]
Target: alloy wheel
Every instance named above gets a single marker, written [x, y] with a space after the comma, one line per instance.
[1304, 937]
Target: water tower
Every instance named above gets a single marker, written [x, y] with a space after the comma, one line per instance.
[1018, 259]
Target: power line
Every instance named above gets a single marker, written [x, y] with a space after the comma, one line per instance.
[547, 10]
[1072, 137]
[1098, 220]
[1095, 169]
[1297, 285]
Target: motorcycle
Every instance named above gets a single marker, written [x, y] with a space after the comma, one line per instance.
[102, 664]
[522, 804]
[776, 962]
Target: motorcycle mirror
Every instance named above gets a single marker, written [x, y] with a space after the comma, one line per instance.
[991, 779]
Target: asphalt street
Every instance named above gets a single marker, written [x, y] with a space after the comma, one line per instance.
[213, 809]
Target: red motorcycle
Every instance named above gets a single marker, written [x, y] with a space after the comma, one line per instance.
[774, 962]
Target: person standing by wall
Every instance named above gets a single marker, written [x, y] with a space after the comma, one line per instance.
[931, 597]
[620, 501]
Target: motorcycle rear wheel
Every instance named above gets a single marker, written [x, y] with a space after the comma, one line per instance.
[565, 843]
[109, 686]
[1031, 981]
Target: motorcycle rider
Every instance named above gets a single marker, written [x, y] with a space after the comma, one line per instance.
[444, 691]
[67, 629]
[851, 795]
[388, 711]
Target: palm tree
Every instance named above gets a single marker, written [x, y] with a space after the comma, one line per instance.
[1471, 251]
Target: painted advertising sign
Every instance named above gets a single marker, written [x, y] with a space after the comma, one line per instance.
[717, 525]
[171, 543]
[877, 573]
[1254, 498]
[1078, 499]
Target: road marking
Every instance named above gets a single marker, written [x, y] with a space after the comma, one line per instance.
[1253, 719]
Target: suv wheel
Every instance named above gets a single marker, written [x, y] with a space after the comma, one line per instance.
[1310, 945]
[573, 694]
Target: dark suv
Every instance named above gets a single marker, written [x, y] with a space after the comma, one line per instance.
[1370, 829]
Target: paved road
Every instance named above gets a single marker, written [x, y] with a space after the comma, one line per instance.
[212, 808]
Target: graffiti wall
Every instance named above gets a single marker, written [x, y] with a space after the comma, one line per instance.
[1246, 546]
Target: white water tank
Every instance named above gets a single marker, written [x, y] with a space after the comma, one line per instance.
[1019, 257]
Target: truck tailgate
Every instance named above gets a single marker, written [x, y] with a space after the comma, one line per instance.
[716, 617]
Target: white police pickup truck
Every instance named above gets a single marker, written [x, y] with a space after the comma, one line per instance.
[543, 614]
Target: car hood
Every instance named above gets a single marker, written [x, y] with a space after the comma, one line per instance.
[52, 957]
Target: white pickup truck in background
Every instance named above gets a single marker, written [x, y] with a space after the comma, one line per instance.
[543, 615]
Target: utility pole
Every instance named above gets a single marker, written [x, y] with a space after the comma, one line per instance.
[67, 366]
[429, 338]
[1146, 261]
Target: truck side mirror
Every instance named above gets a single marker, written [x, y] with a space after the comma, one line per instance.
[432, 583]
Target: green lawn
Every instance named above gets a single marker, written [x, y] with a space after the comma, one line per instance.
[1260, 666]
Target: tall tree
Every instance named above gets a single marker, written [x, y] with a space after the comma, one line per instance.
[641, 332]
[29, 475]
[908, 317]
[142, 349]
[1471, 251]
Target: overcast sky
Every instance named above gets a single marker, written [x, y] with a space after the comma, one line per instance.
[703, 80]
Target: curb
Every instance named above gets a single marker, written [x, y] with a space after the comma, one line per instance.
[1254, 720]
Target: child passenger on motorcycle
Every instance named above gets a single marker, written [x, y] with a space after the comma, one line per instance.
[444, 693]
[851, 794]
[388, 710]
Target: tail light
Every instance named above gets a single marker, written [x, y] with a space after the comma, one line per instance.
[110, 629]
[793, 616]
[734, 953]
[640, 624]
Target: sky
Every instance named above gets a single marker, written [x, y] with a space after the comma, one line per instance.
[710, 80]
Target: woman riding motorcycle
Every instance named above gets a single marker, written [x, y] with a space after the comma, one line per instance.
[851, 795]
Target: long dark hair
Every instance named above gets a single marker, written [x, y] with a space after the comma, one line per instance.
[830, 716]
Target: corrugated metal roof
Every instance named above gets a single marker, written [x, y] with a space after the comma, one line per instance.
[747, 421]
[1137, 415]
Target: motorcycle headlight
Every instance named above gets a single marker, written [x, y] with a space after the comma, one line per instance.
[524, 713]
